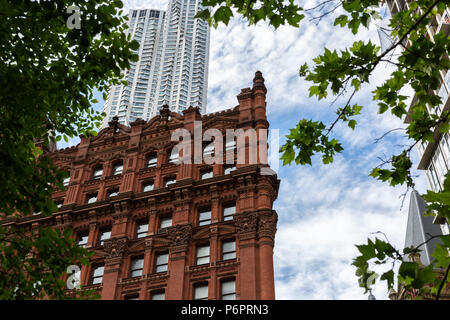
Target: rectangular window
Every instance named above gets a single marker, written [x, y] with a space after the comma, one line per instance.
[201, 292]
[228, 169]
[104, 235]
[141, 230]
[152, 160]
[204, 217]
[202, 254]
[118, 168]
[228, 212]
[229, 250]
[137, 265]
[97, 174]
[208, 150]
[97, 274]
[148, 186]
[228, 290]
[165, 222]
[83, 239]
[173, 156]
[66, 181]
[162, 261]
[169, 180]
[206, 174]
[113, 193]
[158, 296]
[91, 198]
[230, 144]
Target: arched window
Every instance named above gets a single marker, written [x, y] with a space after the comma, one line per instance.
[91, 198]
[117, 168]
[173, 155]
[113, 193]
[208, 149]
[66, 180]
[152, 159]
[97, 173]
[230, 144]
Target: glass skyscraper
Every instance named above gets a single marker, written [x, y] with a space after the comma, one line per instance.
[172, 67]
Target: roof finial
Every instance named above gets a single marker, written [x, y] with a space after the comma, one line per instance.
[258, 82]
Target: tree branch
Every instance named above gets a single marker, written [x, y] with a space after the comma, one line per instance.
[386, 133]
[340, 114]
[326, 13]
[416, 24]
[318, 6]
[441, 286]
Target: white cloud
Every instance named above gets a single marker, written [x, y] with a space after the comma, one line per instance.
[323, 212]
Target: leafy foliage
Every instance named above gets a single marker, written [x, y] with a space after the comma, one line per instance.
[419, 65]
[276, 12]
[48, 73]
[33, 264]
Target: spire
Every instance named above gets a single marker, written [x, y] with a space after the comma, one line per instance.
[258, 82]
[420, 228]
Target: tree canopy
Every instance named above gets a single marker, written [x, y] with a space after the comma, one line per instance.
[49, 69]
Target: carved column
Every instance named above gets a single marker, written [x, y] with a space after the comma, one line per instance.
[267, 226]
[246, 194]
[182, 207]
[115, 249]
[121, 217]
[213, 293]
[152, 219]
[92, 231]
[246, 226]
[215, 199]
[179, 236]
[147, 268]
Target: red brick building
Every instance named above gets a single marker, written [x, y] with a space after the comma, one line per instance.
[162, 230]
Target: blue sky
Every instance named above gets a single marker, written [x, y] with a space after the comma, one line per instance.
[323, 210]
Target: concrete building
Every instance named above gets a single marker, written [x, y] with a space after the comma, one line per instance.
[434, 158]
[162, 230]
[172, 68]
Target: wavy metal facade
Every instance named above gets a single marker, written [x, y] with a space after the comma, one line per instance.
[172, 68]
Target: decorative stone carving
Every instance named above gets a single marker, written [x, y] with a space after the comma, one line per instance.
[179, 234]
[165, 112]
[115, 249]
[267, 225]
[246, 222]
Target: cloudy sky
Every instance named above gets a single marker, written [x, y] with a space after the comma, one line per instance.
[324, 210]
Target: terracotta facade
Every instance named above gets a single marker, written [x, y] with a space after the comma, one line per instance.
[169, 259]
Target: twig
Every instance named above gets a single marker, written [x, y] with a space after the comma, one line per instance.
[319, 18]
[340, 114]
[403, 196]
[318, 6]
[385, 134]
[441, 286]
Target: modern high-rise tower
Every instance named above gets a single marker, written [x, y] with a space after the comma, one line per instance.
[172, 68]
[434, 158]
